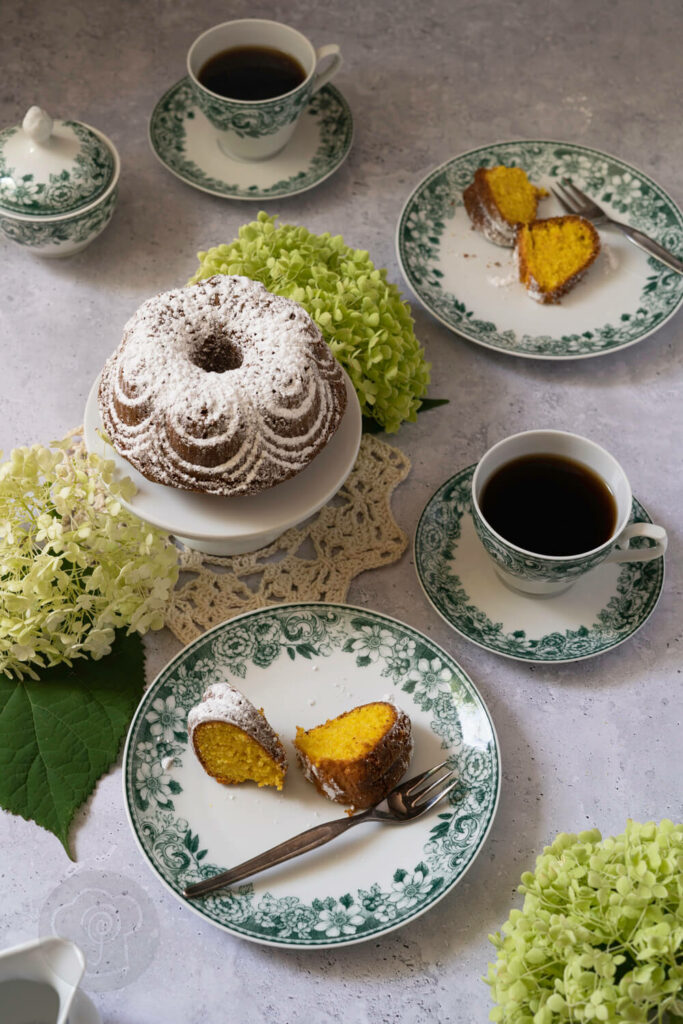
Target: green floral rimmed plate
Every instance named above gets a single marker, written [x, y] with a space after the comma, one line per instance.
[471, 285]
[601, 610]
[304, 663]
[186, 144]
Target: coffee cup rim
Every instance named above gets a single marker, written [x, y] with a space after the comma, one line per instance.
[621, 521]
[250, 21]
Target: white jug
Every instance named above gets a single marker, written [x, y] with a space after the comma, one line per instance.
[39, 984]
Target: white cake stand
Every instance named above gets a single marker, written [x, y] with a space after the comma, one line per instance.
[233, 526]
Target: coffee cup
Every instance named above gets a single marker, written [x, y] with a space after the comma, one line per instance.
[509, 487]
[254, 56]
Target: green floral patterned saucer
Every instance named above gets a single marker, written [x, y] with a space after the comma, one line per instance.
[186, 144]
[601, 610]
[304, 663]
[471, 285]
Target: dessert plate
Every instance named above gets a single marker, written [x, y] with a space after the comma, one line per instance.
[186, 144]
[471, 285]
[230, 526]
[305, 663]
[601, 610]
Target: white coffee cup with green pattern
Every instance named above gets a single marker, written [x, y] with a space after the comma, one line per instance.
[252, 79]
[535, 566]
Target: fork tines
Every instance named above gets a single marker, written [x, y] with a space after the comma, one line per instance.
[417, 780]
[564, 199]
[439, 787]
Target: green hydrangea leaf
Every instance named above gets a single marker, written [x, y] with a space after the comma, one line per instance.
[59, 733]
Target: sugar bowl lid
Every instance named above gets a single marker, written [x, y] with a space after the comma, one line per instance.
[52, 168]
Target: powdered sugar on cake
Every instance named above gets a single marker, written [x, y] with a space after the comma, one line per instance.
[222, 702]
[221, 387]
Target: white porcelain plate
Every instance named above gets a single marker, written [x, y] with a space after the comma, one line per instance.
[186, 144]
[305, 663]
[246, 522]
[601, 610]
[471, 285]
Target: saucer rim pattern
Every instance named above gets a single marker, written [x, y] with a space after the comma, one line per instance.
[167, 143]
[585, 641]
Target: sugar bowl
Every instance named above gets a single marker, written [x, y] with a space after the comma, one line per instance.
[58, 184]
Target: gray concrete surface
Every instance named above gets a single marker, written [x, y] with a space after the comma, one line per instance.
[582, 745]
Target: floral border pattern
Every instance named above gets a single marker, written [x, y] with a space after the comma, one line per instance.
[436, 199]
[256, 119]
[527, 566]
[439, 529]
[409, 660]
[65, 192]
[167, 135]
[74, 230]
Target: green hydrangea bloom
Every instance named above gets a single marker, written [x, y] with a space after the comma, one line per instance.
[600, 935]
[74, 564]
[362, 317]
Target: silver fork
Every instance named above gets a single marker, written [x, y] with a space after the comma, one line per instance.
[405, 802]
[573, 200]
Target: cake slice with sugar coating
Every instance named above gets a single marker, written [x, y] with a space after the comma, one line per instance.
[554, 254]
[233, 740]
[358, 757]
[499, 199]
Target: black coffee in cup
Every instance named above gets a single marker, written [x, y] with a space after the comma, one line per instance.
[251, 73]
[550, 505]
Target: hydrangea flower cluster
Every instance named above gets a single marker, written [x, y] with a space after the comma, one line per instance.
[600, 935]
[74, 564]
[362, 317]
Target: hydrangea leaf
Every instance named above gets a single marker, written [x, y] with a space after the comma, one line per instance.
[59, 733]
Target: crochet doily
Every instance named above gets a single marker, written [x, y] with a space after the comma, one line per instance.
[315, 561]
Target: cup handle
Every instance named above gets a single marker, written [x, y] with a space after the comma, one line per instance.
[623, 553]
[331, 50]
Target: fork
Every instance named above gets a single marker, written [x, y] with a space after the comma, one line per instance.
[405, 802]
[573, 200]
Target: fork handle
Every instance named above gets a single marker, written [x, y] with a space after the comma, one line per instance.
[651, 247]
[301, 843]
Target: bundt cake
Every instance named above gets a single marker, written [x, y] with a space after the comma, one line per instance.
[499, 199]
[359, 757]
[554, 254]
[221, 387]
[233, 740]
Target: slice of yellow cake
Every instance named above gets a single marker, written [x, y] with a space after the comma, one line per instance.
[499, 199]
[233, 740]
[358, 757]
[554, 254]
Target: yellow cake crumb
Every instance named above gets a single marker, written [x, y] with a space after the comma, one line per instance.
[359, 757]
[553, 254]
[231, 756]
[514, 195]
[348, 737]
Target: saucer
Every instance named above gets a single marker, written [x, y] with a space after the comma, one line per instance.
[187, 145]
[601, 610]
[231, 526]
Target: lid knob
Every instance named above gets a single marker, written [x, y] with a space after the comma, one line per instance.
[37, 124]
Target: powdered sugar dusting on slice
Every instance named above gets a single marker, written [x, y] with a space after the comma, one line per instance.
[223, 702]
